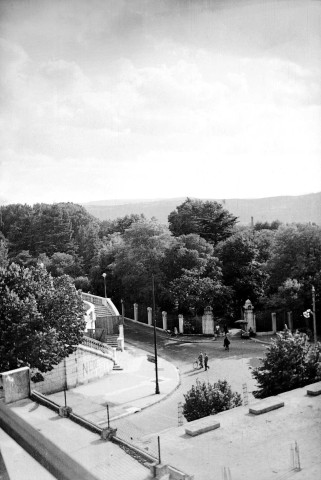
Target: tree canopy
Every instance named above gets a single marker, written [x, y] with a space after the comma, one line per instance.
[41, 318]
[205, 399]
[208, 219]
[289, 363]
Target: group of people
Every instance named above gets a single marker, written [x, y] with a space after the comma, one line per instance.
[203, 361]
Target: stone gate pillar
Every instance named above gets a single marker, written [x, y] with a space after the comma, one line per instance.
[249, 316]
[149, 315]
[208, 321]
[180, 323]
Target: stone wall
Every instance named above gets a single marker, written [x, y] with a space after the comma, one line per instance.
[14, 385]
[83, 366]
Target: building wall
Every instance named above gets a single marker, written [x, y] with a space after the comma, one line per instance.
[82, 366]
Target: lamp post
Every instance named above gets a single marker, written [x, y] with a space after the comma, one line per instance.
[104, 275]
[313, 315]
[155, 341]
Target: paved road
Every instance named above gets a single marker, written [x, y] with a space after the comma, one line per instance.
[232, 366]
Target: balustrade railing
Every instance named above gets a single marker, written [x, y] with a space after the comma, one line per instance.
[97, 345]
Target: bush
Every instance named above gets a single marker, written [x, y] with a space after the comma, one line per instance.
[289, 363]
[206, 399]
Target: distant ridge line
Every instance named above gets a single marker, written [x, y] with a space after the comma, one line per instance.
[287, 209]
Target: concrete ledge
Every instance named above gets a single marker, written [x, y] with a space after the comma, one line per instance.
[175, 474]
[266, 405]
[201, 426]
[314, 390]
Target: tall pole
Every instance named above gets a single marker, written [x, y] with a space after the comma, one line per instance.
[314, 315]
[155, 342]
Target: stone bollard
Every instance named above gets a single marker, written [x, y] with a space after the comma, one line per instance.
[120, 344]
[136, 312]
[158, 470]
[149, 315]
[108, 433]
[181, 323]
[164, 315]
[65, 411]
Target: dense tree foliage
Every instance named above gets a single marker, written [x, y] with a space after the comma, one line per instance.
[267, 226]
[289, 363]
[139, 256]
[208, 219]
[242, 267]
[3, 251]
[205, 399]
[294, 265]
[41, 318]
[202, 259]
[119, 225]
[62, 228]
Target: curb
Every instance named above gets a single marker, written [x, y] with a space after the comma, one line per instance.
[260, 341]
[157, 401]
[127, 414]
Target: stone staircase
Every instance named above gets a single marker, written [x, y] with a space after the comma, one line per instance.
[117, 367]
[103, 311]
[111, 340]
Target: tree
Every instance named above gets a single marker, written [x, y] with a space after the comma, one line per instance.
[296, 254]
[186, 252]
[139, 255]
[206, 399]
[119, 225]
[64, 264]
[41, 318]
[288, 297]
[267, 226]
[194, 290]
[205, 218]
[289, 363]
[242, 269]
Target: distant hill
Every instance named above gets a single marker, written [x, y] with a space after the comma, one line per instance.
[301, 209]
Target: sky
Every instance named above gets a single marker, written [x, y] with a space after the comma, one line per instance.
[113, 99]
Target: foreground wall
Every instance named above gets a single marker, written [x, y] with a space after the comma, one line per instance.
[84, 365]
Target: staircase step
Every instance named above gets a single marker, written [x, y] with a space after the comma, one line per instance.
[117, 367]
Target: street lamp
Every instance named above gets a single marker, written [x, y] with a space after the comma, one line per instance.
[104, 275]
[155, 341]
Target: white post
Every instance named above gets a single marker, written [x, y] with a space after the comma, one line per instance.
[181, 323]
[114, 354]
[149, 315]
[136, 312]
[290, 320]
[273, 322]
[164, 315]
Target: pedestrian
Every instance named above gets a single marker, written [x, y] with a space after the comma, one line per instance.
[226, 343]
[200, 360]
[206, 366]
[217, 329]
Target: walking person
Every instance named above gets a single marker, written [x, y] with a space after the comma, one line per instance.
[200, 360]
[226, 343]
[206, 366]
